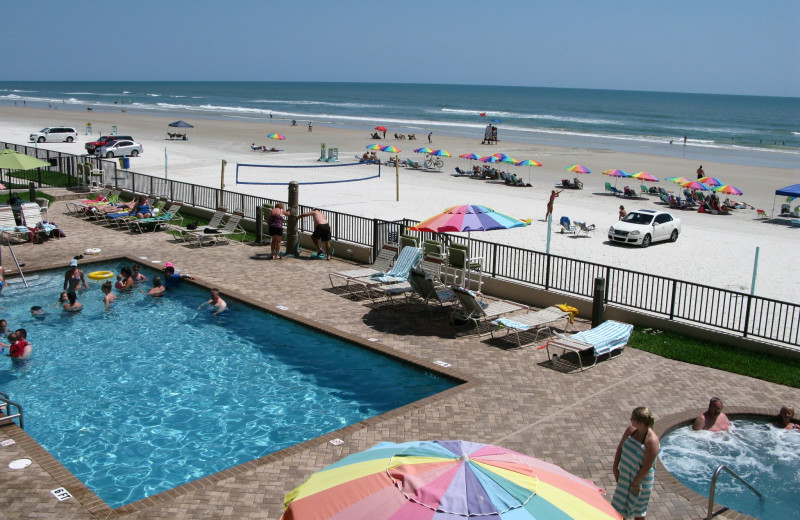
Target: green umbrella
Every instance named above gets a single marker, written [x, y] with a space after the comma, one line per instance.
[11, 160]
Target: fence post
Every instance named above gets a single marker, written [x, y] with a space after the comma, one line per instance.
[494, 260]
[116, 176]
[374, 239]
[193, 199]
[672, 301]
[547, 274]
[747, 316]
[607, 284]
[598, 301]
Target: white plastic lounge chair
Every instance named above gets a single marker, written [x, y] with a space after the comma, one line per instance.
[32, 218]
[603, 339]
[474, 311]
[229, 232]
[10, 229]
[154, 223]
[382, 263]
[185, 234]
[530, 323]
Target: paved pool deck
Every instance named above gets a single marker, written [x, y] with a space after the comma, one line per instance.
[513, 397]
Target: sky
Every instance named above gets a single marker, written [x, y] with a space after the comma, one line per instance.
[709, 46]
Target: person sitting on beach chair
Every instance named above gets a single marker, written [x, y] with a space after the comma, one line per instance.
[412, 137]
[375, 136]
[257, 148]
[627, 192]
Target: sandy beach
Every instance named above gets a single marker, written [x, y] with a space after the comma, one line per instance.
[712, 249]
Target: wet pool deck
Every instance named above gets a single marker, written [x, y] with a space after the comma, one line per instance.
[513, 398]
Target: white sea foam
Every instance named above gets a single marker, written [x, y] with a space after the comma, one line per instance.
[311, 102]
[544, 117]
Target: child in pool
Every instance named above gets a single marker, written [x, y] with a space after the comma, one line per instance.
[109, 298]
[119, 284]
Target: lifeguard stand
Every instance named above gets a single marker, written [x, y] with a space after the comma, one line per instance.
[322, 153]
[333, 155]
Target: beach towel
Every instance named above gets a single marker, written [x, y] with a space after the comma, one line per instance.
[571, 310]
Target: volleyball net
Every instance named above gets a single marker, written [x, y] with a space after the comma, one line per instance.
[274, 174]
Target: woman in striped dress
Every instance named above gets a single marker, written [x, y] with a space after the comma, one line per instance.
[635, 465]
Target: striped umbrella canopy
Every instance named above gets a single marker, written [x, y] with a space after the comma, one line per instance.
[528, 162]
[374, 146]
[677, 180]
[441, 153]
[509, 160]
[728, 190]
[501, 156]
[469, 217]
[711, 181]
[471, 156]
[695, 185]
[579, 168]
[424, 150]
[445, 480]
[489, 159]
[390, 149]
[644, 176]
[615, 173]
[279, 137]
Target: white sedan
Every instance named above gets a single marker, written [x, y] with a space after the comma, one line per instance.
[644, 226]
[122, 148]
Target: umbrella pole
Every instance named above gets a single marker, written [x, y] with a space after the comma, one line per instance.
[396, 175]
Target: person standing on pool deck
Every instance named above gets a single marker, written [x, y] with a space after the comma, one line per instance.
[216, 302]
[73, 278]
[322, 231]
[635, 465]
[712, 419]
[275, 224]
[171, 278]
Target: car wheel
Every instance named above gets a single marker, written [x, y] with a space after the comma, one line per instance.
[70, 139]
[646, 240]
[40, 140]
[110, 154]
[674, 236]
[135, 153]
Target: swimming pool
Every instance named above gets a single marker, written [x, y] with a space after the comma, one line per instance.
[766, 457]
[153, 394]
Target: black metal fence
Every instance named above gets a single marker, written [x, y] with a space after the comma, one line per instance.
[740, 313]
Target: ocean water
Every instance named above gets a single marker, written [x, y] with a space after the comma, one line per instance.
[762, 131]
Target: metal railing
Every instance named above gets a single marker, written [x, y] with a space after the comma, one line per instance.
[711, 514]
[6, 406]
[737, 312]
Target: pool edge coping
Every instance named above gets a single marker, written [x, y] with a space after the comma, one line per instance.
[98, 508]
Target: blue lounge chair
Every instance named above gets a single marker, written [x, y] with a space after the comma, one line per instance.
[409, 257]
[604, 339]
[567, 227]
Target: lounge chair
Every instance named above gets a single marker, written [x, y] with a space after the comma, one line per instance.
[185, 234]
[409, 241]
[413, 164]
[10, 229]
[227, 233]
[609, 188]
[566, 226]
[32, 219]
[476, 312]
[645, 190]
[382, 264]
[409, 257]
[606, 338]
[615, 191]
[164, 218]
[425, 288]
[795, 222]
[532, 323]
[761, 214]
[461, 172]
[585, 228]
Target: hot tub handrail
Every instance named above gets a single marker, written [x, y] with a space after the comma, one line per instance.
[711, 513]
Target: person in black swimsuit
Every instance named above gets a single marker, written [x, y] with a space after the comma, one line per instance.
[73, 278]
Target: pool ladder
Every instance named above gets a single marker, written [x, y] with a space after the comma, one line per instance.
[6, 404]
[711, 513]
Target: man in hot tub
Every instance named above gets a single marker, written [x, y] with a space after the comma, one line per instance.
[712, 419]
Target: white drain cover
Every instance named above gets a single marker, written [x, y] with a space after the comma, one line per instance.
[19, 463]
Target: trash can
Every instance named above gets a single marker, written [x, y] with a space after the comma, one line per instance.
[125, 163]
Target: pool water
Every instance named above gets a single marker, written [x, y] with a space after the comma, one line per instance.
[152, 394]
[766, 457]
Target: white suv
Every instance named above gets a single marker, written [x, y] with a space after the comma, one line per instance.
[644, 226]
[121, 148]
[55, 134]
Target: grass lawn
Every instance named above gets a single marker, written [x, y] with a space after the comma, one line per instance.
[781, 370]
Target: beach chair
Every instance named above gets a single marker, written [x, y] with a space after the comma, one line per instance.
[645, 190]
[433, 249]
[392, 290]
[409, 241]
[761, 214]
[425, 288]
[795, 222]
[604, 339]
[166, 217]
[10, 229]
[471, 310]
[413, 164]
[567, 227]
[527, 327]
[461, 172]
[186, 234]
[609, 187]
[408, 258]
[232, 231]
[32, 218]
[585, 228]
[615, 191]
[383, 263]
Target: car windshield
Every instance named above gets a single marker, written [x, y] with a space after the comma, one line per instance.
[44, 130]
[638, 218]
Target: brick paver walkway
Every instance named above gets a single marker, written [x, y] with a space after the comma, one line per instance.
[573, 420]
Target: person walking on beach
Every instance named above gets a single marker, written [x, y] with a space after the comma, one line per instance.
[635, 465]
[553, 195]
[309, 126]
[700, 172]
[322, 232]
[429, 137]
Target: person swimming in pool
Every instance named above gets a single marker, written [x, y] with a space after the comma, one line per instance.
[72, 305]
[712, 419]
[218, 304]
[137, 276]
[38, 312]
[73, 278]
[784, 419]
[157, 289]
[109, 298]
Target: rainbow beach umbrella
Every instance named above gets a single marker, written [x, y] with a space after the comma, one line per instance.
[374, 146]
[528, 162]
[445, 480]
[677, 180]
[390, 149]
[424, 150]
[279, 137]
[471, 156]
[469, 217]
[490, 159]
[728, 190]
[615, 173]
[695, 185]
[711, 182]
[644, 176]
[441, 153]
[579, 168]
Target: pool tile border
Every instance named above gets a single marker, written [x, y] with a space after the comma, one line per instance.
[98, 508]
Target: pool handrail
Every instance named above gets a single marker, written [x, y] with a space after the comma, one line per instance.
[8, 415]
[711, 514]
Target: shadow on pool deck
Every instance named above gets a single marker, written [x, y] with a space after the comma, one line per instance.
[573, 420]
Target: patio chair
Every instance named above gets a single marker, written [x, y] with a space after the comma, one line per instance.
[585, 228]
[184, 233]
[10, 229]
[409, 241]
[531, 323]
[383, 263]
[473, 311]
[32, 218]
[425, 288]
[567, 227]
[604, 339]
[609, 187]
[155, 223]
[397, 276]
[227, 233]
[433, 248]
